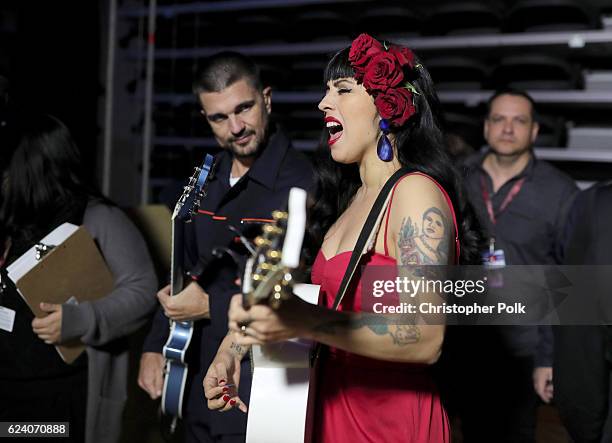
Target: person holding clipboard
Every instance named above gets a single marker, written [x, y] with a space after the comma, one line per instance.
[44, 184]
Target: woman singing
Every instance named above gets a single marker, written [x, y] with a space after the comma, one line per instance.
[380, 113]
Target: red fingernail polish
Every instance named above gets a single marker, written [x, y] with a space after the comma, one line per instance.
[221, 381]
[225, 389]
[232, 402]
[226, 398]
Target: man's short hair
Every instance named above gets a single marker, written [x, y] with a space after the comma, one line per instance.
[223, 69]
[515, 93]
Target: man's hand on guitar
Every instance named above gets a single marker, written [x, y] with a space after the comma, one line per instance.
[151, 373]
[261, 324]
[189, 304]
[221, 382]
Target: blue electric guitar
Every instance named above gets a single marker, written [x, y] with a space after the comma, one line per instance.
[181, 331]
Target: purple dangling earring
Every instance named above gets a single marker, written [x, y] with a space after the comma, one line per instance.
[384, 149]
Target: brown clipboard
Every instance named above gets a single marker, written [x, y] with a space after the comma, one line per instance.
[74, 268]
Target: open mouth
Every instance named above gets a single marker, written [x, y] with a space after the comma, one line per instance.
[335, 131]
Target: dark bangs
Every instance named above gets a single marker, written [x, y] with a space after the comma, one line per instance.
[339, 67]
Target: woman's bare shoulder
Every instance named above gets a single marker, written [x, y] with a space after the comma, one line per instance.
[416, 193]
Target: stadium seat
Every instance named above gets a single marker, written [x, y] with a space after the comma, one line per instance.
[463, 17]
[535, 71]
[457, 72]
[551, 15]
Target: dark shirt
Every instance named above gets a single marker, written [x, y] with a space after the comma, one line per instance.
[529, 230]
[587, 235]
[26, 358]
[246, 206]
[23, 356]
[584, 352]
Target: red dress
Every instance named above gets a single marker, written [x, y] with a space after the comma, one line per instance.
[360, 399]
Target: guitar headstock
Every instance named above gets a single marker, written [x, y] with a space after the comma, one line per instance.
[194, 190]
[268, 274]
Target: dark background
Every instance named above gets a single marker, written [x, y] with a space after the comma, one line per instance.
[50, 52]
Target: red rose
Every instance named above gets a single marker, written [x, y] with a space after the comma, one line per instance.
[362, 50]
[359, 76]
[404, 55]
[383, 72]
[395, 105]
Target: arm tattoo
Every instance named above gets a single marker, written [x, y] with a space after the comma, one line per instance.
[427, 247]
[430, 245]
[238, 350]
[402, 334]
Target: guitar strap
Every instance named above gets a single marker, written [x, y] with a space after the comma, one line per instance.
[365, 242]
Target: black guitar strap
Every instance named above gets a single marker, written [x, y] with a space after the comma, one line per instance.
[368, 232]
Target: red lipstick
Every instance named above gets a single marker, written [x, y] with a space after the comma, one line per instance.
[331, 119]
[335, 135]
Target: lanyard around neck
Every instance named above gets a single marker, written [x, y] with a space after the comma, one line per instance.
[516, 188]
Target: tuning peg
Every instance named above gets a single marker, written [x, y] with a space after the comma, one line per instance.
[279, 215]
[265, 266]
[276, 300]
[273, 254]
[271, 229]
[260, 241]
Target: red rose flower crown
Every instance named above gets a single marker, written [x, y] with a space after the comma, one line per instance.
[380, 67]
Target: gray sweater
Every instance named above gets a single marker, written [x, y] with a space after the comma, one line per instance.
[103, 323]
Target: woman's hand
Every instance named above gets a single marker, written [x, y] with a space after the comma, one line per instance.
[221, 383]
[49, 328]
[261, 324]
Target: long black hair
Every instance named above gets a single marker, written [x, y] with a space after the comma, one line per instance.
[44, 182]
[420, 145]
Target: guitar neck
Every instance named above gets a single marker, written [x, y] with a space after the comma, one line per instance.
[184, 209]
[176, 262]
